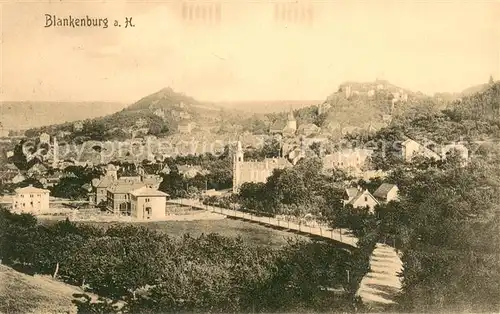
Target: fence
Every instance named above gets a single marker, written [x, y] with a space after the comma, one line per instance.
[286, 224]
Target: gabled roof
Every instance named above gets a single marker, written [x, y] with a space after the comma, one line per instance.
[122, 188]
[145, 191]
[278, 126]
[30, 189]
[383, 189]
[361, 194]
[105, 182]
[408, 141]
[11, 167]
[38, 167]
[351, 192]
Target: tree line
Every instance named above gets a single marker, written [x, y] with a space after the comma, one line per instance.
[445, 223]
[148, 272]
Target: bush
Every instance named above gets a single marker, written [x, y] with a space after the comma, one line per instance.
[154, 273]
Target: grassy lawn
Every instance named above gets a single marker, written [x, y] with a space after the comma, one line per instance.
[250, 232]
[21, 293]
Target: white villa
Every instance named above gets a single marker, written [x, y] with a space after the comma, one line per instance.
[31, 200]
[147, 203]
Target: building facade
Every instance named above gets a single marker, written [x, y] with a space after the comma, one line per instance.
[386, 192]
[147, 203]
[31, 200]
[359, 198]
[254, 171]
[118, 198]
[411, 148]
[347, 159]
[186, 127]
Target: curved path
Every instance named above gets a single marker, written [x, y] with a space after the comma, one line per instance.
[379, 286]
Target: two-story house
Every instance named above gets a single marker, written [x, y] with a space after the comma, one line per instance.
[31, 200]
[147, 203]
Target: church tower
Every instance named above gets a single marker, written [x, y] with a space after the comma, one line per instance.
[237, 161]
[291, 123]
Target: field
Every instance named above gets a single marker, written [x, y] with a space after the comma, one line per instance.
[250, 232]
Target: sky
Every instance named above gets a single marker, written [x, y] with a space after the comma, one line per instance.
[427, 46]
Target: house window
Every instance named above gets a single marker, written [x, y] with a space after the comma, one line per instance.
[147, 200]
[366, 198]
[31, 203]
[31, 195]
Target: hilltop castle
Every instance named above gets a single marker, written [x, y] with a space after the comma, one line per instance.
[254, 171]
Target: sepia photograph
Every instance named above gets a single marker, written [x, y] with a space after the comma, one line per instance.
[249, 156]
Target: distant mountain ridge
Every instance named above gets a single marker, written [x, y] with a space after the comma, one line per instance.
[159, 114]
[267, 106]
[482, 105]
[165, 99]
[18, 115]
[352, 104]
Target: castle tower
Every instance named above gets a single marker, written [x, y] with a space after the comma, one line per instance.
[237, 161]
[291, 122]
[348, 91]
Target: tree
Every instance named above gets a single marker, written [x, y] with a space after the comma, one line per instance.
[317, 149]
[447, 226]
[253, 196]
[19, 158]
[94, 129]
